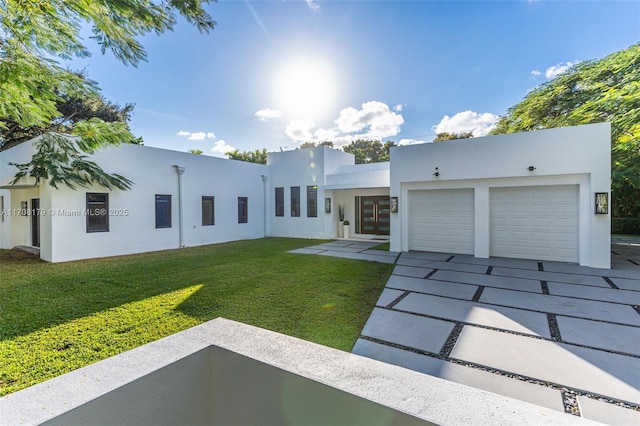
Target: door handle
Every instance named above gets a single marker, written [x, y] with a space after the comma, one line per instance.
[375, 213]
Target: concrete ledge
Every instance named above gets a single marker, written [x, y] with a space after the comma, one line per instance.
[428, 398]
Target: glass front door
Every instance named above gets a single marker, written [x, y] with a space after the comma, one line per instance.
[374, 215]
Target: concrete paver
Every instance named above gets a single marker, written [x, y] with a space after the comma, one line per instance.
[610, 414]
[426, 255]
[411, 271]
[600, 334]
[595, 293]
[597, 324]
[476, 313]
[590, 370]
[627, 284]
[307, 250]
[489, 280]
[357, 256]
[524, 391]
[427, 334]
[551, 276]
[496, 261]
[387, 296]
[441, 288]
[434, 264]
[561, 305]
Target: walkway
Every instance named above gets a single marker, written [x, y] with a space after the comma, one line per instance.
[557, 335]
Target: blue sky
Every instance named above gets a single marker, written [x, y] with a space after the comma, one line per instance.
[275, 73]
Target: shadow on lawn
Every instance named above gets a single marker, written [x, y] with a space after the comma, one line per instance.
[254, 281]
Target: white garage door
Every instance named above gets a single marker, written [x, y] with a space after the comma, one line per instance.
[441, 220]
[535, 223]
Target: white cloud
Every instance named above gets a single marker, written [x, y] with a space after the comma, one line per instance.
[197, 136]
[374, 116]
[268, 114]
[398, 108]
[467, 121]
[299, 129]
[322, 135]
[404, 142]
[313, 5]
[535, 73]
[558, 69]
[221, 147]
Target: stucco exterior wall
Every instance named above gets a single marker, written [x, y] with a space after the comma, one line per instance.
[302, 167]
[578, 155]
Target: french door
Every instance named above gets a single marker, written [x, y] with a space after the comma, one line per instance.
[374, 215]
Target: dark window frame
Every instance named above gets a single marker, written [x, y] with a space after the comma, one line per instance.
[243, 216]
[166, 197]
[312, 201]
[212, 200]
[92, 208]
[280, 201]
[295, 201]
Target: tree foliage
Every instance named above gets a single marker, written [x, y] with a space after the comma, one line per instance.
[369, 151]
[256, 156]
[447, 136]
[592, 92]
[35, 35]
[313, 144]
[195, 151]
[62, 160]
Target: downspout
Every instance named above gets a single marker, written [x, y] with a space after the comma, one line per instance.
[180, 170]
[264, 204]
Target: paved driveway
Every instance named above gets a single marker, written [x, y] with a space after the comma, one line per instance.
[554, 334]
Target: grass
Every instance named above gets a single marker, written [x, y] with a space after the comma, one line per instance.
[382, 247]
[55, 318]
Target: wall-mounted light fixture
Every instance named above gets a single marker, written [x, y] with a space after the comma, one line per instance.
[602, 203]
[437, 173]
[531, 168]
[327, 205]
[394, 204]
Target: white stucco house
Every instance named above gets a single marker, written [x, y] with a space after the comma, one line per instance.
[536, 195]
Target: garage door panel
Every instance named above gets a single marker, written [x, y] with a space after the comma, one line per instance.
[535, 222]
[441, 220]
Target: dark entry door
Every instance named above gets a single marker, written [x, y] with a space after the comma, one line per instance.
[35, 222]
[374, 215]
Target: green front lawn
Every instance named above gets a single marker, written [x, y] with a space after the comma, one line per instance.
[55, 318]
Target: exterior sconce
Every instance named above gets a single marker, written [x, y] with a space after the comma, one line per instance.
[602, 203]
[531, 168]
[327, 205]
[437, 173]
[394, 204]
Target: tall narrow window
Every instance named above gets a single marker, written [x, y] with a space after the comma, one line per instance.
[312, 201]
[208, 215]
[97, 212]
[243, 209]
[295, 201]
[279, 201]
[163, 211]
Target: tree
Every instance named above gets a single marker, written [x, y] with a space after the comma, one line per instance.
[70, 110]
[195, 151]
[34, 35]
[446, 136]
[313, 144]
[369, 151]
[256, 156]
[591, 92]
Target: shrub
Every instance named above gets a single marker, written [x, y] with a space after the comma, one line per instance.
[628, 226]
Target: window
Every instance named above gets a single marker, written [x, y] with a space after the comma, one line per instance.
[312, 201]
[295, 201]
[208, 215]
[163, 211]
[243, 209]
[279, 201]
[97, 212]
